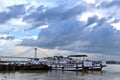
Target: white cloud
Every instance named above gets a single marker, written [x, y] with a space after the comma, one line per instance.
[90, 1]
[32, 37]
[8, 47]
[91, 13]
[116, 25]
[85, 16]
[17, 41]
[2, 42]
[44, 26]
[17, 22]
[7, 3]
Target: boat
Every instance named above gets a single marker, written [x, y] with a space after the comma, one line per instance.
[74, 63]
[33, 64]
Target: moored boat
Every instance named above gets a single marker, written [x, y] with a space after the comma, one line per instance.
[69, 63]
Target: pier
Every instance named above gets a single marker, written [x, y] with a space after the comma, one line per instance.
[26, 64]
[22, 63]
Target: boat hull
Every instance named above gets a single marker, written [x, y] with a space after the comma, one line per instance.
[73, 67]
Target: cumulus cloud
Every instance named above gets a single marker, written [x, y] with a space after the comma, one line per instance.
[71, 34]
[65, 30]
[43, 16]
[60, 20]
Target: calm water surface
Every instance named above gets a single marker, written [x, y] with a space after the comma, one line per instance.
[111, 72]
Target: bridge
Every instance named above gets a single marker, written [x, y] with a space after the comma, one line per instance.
[16, 57]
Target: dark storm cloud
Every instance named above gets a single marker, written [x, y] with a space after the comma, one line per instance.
[66, 32]
[52, 15]
[95, 19]
[13, 12]
[61, 21]
[92, 20]
[107, 4]
[102, 39]
[59, 34]
[29, 42]
[7, 37]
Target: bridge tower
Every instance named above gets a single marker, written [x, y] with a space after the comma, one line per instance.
[35, 53]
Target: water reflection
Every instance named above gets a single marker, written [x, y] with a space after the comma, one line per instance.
[47, 75]
[106, 74]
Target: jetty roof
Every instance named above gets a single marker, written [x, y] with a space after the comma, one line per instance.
[77, 56]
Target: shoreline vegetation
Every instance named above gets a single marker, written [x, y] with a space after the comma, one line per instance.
[113, 62]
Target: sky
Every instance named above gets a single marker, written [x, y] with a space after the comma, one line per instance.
[61, 27]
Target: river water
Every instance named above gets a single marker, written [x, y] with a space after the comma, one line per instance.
[111, 72]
